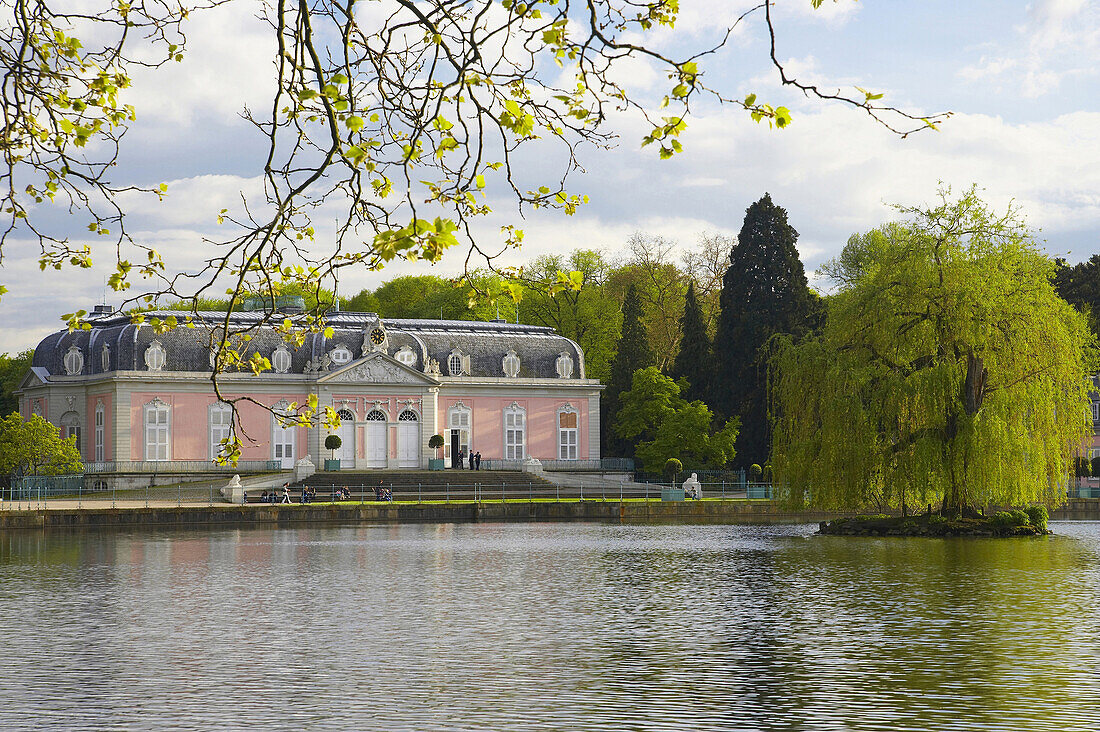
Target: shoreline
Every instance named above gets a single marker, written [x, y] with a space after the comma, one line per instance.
[631, 511]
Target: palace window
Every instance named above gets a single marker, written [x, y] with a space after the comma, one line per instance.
[157, 426]
[340, 355]
[220, 418]
[458, 363]
[408, 416]
[564, 365]
[515, 427]
[74, 361]
[100, 425]
[406, 356]
[511, 364]
[70, 427]
[155, 357]
[281, 359]
[567, 433]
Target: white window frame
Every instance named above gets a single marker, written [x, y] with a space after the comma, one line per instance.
[564, 365]
[155, 356]
[465, 427]
[99, 431]
[406, 355]
[341, 355]
[218, 430]
[70, 427]
[159, 449]
[515, 434]
[281, 359]
[279, 432]
[568, 450]
[74, 361]
[458, 363]
[510, 364]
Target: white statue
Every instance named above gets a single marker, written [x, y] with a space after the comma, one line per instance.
[693, 488]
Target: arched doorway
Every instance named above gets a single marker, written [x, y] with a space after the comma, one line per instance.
[408, 439]
[347, 438]
[376, 439]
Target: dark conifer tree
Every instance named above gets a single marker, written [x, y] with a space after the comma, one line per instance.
[633, 353]
[695, 359]
[764, 292]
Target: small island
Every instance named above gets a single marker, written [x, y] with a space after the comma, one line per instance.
[1031, 521]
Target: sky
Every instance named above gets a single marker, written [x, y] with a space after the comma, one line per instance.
[1020, 78]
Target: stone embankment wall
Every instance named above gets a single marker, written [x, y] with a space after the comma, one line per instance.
[609, 511]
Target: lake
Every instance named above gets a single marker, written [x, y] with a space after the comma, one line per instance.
[548, 627]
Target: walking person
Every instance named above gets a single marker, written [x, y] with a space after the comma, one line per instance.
[286, 493]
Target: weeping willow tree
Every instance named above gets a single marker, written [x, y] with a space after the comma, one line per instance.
[948, 372]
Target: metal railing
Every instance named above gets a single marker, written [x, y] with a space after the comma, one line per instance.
[607, 465]
[182, 466]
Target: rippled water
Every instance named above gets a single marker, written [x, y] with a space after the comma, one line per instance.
[549, 626]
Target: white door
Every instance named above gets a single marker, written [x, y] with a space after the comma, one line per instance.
[408, 440]
[376, 440]
[347, 439]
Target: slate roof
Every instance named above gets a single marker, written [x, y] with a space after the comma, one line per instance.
[187, 349]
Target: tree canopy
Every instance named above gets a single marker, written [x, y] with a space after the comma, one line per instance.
[12, 370]
[632, 354]
[764, 293]
[948, 371]
[35, 447]
[694, 359]
[665, 426]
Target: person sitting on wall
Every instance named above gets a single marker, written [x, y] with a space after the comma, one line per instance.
[263, 497]
[387, 494]
[471, 458]
[345, 494]
[379, 491]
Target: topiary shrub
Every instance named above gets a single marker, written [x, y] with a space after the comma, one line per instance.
[673, 467]
[1037, 516]
[333, 442]
[755, 471]
[435, 442]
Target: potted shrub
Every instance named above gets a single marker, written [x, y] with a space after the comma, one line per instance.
[435, 442]
[332, 443]
[673, 467]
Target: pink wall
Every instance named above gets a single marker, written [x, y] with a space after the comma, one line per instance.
[190, 429]
[542, 428]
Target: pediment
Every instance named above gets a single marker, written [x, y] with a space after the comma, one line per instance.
[35, 376]
[377, 368]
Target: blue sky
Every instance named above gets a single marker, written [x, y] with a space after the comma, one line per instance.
[1021, 78]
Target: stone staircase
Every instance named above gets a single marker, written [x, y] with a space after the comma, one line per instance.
[406, 485]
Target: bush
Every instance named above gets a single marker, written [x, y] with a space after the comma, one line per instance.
[1096, 465]
[435, 442]
[673, 467]
[1009, 519]
[1037, 516]
[333, 442]
[755, 471]
[1082, 467]
[936, 520]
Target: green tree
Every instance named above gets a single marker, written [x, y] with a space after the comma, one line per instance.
[764, 293]
[589, 315]
[12, 370]
[35, 447]
[633, 353]
[948, 371]
[663, 425]
[695, 359]
[1079, 285]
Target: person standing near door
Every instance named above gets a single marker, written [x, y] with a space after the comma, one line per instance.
[471, 458]
[477, 461]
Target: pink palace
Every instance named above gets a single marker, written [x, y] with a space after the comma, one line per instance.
[505, 390]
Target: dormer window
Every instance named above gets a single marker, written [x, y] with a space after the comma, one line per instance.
[564, 365]
[406, 356]
[458, 363]
[155, 356]
[511, 364]
[340, 355]
[281, 359]
[74, 361]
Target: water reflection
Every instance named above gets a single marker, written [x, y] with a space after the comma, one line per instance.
[549, 626]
